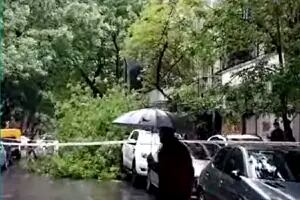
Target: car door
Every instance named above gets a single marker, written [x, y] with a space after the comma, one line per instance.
[209, 178]
[153, 171]
[129, 149]
[231, 185]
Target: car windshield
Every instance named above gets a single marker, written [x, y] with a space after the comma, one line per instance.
[197, 150]
[275, 164]
[212, 149]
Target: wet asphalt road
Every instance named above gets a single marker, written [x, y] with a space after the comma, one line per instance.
[17, 184]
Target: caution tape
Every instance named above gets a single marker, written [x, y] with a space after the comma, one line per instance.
[58, 144]
[45, 143]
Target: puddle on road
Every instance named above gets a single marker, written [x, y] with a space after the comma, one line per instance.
[19, 185]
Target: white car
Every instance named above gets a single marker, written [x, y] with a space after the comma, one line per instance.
[43, 149]
[135, 151]
[234, 137]
[201, 154]
[4, 157]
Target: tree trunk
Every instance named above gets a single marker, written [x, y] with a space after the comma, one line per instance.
[288, 131]
[160, 63]
[283, 96]
[244, 124]
[117, 61]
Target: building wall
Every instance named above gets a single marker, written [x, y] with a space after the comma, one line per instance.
[155, 96]
[263, 125]
[228, 76]
[296, 128]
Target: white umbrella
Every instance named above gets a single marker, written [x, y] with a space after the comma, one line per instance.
[147, 118]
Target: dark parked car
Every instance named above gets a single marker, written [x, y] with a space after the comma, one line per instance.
[252, 172]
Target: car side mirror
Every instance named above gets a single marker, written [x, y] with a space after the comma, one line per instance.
[235, 174]
[132, 141]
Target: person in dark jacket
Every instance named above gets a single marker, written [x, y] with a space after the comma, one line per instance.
[288, 132]
[277, 133]
[175, 168]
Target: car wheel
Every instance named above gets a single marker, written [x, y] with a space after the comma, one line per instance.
[149, 184]
[134, 175]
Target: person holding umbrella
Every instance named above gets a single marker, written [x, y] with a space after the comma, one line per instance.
[175, 168]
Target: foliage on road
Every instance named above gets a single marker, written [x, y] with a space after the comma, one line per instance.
[89, 119]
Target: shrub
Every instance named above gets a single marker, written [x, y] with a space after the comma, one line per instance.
[83, 118]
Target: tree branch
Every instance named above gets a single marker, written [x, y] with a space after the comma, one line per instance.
[90, 83]
[172, 66]
[163, 93]
[98, 70]
[162, 51]
[159, 63]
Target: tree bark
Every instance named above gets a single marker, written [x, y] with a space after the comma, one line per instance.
[159, 64]
[117, 61]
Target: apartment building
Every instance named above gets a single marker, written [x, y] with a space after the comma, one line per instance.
[258, 125]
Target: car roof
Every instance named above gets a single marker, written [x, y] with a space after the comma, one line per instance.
[238, 136]
[266, 146]
[217, 136]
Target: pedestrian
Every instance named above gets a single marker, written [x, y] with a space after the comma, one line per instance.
[277, 133]
[31, 149]
[7, 124]
[175, 169]
[288, 133]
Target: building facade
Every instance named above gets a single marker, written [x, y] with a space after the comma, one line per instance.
[258, 125]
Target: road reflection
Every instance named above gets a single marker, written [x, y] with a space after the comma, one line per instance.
[19, 185]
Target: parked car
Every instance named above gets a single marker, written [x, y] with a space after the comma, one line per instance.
[234, 137]
[135, 151]
[252, 171]
[200, 153]
[12, 135]
[4, 157]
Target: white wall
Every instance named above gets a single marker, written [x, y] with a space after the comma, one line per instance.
[155, 96]
[296, 128]
[251, 125]
[228, 75]
[265, 125]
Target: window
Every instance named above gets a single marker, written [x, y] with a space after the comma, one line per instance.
[216, 139]
[220, 158]
[276, 164]
[235, 161]
[197, 150]
[135, 135]
[212, 149]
